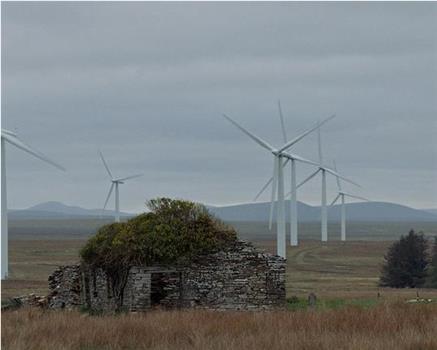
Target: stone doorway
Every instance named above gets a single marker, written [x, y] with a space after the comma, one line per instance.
[164, 288]
[157, 288]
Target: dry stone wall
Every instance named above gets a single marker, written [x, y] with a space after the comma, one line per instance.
[65, 287]
[239, 277]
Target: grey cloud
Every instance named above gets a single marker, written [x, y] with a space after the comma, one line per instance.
[147, 83]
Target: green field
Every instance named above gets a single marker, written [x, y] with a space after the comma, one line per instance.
[349, 270]
[83, 228]
[365, 231]
[335, 270]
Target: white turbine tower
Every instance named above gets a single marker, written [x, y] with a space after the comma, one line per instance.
[292, 158]
[322, 169]
[278, 178]
[12, 138]
[115, 183]
[341, 194]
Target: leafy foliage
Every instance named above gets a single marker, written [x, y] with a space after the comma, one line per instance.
[406, 262]
[173, 231]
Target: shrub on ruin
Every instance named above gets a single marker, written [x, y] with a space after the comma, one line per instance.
[173, 232]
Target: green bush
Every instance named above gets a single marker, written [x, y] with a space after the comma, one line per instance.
[406, 262]
[174, 231]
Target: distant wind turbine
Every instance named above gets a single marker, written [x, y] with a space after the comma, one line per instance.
[322, 169]
[293, 202]
[341, 194]
[115, 183]
[278, 178]
[12, 138]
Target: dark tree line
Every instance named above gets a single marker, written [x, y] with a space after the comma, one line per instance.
[408, 263]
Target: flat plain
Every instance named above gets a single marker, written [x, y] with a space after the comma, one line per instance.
[352, 311]
[333, 270]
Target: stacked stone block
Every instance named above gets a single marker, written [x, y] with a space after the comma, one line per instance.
[237, 278]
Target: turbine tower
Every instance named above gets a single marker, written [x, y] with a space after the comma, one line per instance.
[278, 178]
[115, 183]
[341, 194]
[322, 169]
[12, 138]
[292, 158]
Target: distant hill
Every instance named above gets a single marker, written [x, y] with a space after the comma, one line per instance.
[362, 211]
[53, 210]
[432, 211]
[256, 212]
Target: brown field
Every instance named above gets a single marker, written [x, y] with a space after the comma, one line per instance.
[32, 261]
[349, 314]
[386, 326]
[335, 270]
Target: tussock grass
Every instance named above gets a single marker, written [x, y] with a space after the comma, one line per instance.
[385, 326]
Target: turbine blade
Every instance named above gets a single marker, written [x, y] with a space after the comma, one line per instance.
[335, 200]
[8, 132]
[332, 172]
[274, 184]
[13, 140]
[257, 139]
[130, 177]
[106, 165]
[356, 197]
[263, 189]
[299, 158]
[268, 183]
[109, 196]
[284, 133]
[338, 180]
[301, 136]
[285, 163]
[319, 142]
[308, 178]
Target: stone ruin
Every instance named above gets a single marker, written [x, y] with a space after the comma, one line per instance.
[240, 277]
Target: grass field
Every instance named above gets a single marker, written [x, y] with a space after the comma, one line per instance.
[335, 270]
[259, 231]
[364, 231]
[385, 326]
[349, 314]
[32, 261]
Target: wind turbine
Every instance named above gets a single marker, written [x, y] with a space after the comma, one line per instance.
[322, 169]
[115, 183]
[341, 194]
[278, 178]
[12, 138]
[292, 158]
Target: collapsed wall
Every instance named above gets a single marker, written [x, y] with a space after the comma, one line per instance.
[239, 277]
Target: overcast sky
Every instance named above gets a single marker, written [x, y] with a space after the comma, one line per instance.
[147, 84]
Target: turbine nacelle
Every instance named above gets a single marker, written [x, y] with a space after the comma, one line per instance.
[276, 153]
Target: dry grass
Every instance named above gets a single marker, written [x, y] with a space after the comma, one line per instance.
[386, 326]
[32, 261]
[342, 276]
